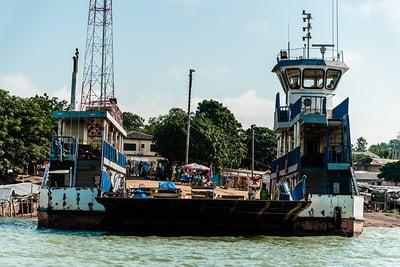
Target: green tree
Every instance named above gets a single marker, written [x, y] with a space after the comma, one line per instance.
[132, 122]
[216, 137]
[226, 138]
[207, 143]
[38, 126]
[361, 159]
[390, 172]
[361, 145]
[150, 127]
[394, 148]
[264, 148]
[10, 126]
[26, 126]
[170, 134]
[381, 149]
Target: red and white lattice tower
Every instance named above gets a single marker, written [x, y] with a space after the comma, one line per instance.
[98, 75]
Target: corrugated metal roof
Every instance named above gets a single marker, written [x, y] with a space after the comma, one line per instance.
[22, 189]
[139, 135]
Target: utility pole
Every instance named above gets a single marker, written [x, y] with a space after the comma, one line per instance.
[252, 150]
[188, 118]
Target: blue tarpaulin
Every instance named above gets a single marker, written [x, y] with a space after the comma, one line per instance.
[170, 185]
[299, 190]
[139, 193]
[105, 182]
[166, 185]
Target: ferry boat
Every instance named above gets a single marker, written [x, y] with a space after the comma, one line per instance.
[314, 160]
[86, 161]
[84, 188]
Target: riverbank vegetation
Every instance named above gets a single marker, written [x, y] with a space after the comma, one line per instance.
[26, 126]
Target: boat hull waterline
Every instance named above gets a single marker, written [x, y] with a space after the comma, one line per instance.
[177, 217]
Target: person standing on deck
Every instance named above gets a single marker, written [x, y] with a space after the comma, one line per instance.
[264, 192]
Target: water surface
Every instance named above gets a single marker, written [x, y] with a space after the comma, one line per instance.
[22, 244]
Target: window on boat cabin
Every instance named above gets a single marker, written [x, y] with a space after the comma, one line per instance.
[313, 78]
[293, 78]
[129, 147]
[332, 77]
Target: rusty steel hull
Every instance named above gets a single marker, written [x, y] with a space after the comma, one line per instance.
[349, 227]
[203, 217]
[71, 220]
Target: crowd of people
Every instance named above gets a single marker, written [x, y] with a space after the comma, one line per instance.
[164, 171]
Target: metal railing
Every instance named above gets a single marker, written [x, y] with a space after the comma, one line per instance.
[63, 148]
[286, 160]
[338, 154]
[304, 105]
[315, 53]
[110, 153]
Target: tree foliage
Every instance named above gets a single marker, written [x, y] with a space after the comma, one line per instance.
[390, 150]
[361, 145]
[26, 126]
[394, 148]
[170, 134]
[132, 122]
[390, 172]
[381, 149]
[361, 159]
[264, 148]
[226, 138]
[216, 137]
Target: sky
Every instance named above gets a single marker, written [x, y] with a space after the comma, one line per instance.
[231, 44]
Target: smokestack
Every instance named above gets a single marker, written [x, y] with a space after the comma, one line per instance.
[74, 74]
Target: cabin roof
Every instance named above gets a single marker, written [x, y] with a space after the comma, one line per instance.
[309, 62]
[87, 115]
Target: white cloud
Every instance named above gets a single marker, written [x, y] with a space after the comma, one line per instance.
[64, 93]
[390, 9]
[18, 84]
[177, 73]
[215, 73]
[152, 105]
[250, 109]
[22, 86]
[385, 10]
[260, 26]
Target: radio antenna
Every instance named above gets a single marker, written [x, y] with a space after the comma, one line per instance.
[337, 29]
[333, 28]
[288, 37]
[307, 18]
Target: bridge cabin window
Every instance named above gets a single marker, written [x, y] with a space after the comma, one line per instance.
[332, 77]
[293, 77]
[313, 78]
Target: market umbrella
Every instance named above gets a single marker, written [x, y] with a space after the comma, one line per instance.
[196, 167]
